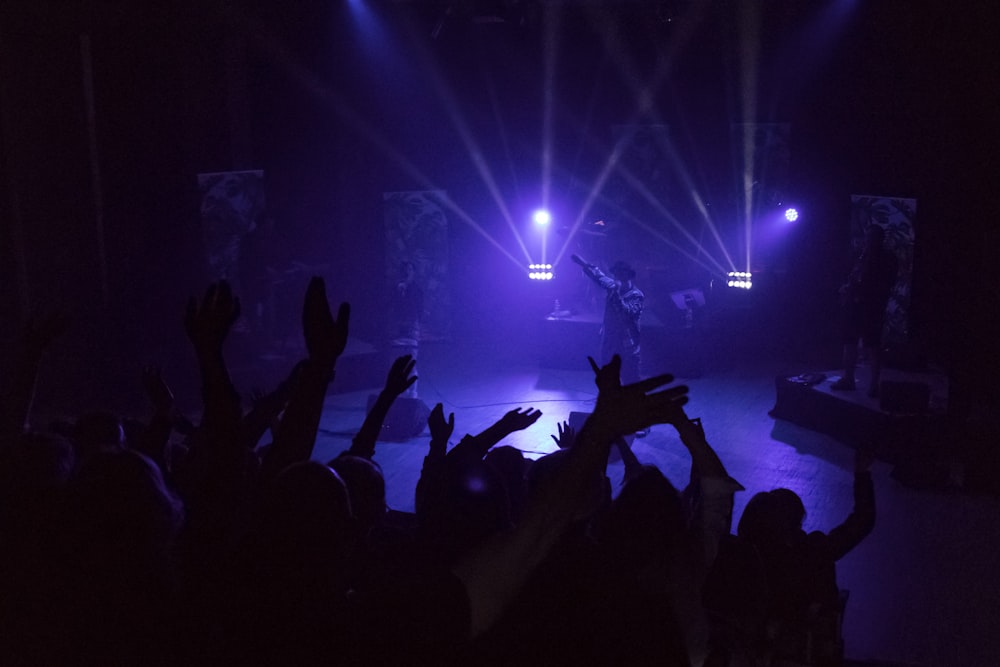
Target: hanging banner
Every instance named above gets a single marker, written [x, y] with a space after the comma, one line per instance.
[416, 267]
[231, 204]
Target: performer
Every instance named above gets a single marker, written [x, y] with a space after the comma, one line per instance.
[865, 296]
[620, 332]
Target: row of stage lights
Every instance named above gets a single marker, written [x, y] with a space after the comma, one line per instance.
[540, 271]
[740, 279]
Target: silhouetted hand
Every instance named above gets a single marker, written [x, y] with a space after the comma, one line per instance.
[325, 337]
[515, 420]
[157, 390]
[208, 323]
[567, 434]
[580, 260]
[630, 408]
[400, 378]
[441, 430]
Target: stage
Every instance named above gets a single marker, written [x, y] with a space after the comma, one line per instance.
[910, 410]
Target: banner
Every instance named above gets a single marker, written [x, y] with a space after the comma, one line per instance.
[231, 203]
[416, 267]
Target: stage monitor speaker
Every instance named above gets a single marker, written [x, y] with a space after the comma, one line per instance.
[576, 420]
[406, 419]
[904, 397]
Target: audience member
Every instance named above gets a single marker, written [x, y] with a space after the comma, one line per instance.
[122, 546]
[773, 589]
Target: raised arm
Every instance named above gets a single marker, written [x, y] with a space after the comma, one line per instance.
[633, 468]
[704, 461]
[433, 468]
[399, 380]
[494, 574]
[710, 493]
[208, 323]
[326, 339]
[267, 407]
[861, 521]
[476, 446]
[595, 274]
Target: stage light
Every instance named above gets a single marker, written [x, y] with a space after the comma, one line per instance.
[791, 215]
[540, 271]
[542, 217]
[739, 279]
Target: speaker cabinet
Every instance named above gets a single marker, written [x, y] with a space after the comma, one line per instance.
[904, 397]
[406, 419]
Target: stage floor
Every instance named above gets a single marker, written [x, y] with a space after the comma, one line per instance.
[924, 586]
[907, 419]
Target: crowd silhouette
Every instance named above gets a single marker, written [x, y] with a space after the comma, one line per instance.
[223, 541]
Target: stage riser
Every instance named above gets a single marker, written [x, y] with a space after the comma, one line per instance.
[894, 436]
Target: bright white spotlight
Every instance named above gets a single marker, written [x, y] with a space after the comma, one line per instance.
[739, 279]
[791, 215]
[542, 217]
[540, 271]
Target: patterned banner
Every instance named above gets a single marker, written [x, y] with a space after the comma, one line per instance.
[416, 269]
[231, 203]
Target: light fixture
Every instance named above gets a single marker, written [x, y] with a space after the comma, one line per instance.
[540, 271]
[739, 279]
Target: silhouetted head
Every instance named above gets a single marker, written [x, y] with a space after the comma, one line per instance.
[306, 509]
[467, 505]
[365, 486]
[623, 271]
[646, 521]
[544, 470]
[120, 498]
[772, 517]
[789, 510]
[510, 465]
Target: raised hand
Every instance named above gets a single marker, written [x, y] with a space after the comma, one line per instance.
[208, 323]
[157, 390]
[580, 260]
[441, 430]
[325, 337]
[398, 381]
[515, 420]
[567, 434]
[400, 378]
[626, 409]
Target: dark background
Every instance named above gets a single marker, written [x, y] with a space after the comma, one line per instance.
[900, 100]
